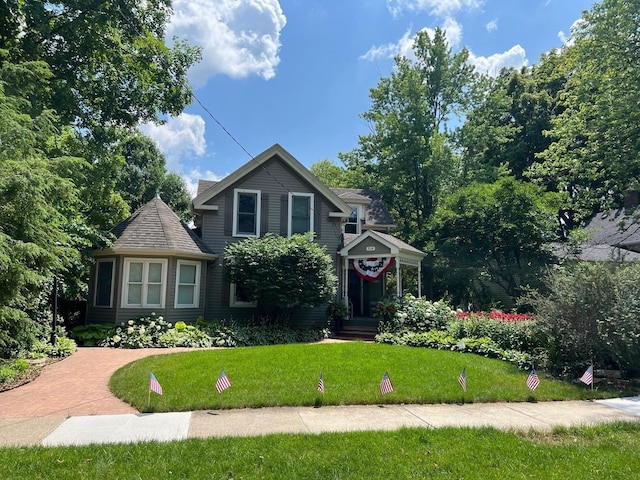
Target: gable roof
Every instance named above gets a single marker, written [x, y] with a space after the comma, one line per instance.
[617, 228]
[155, 229]
[375, 210]
[395, 245]
[214, 188]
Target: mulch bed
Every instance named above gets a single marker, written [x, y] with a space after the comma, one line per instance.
[30, 374]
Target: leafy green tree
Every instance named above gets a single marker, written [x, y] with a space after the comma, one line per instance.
[174, 193]
[409, 156]
[497, 232]
[281, 274]
[109, 62]
[595, 151]
[41, 233]
[335, 176]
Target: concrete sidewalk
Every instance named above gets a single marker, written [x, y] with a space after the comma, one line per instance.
[127, 428]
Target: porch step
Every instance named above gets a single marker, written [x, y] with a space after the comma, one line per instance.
[357, 332]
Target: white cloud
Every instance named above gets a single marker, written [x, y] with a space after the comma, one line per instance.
[439, 8]
[568, 40]
[404, 46]
[515, 57]
[191, 179]
[179, 137]
[492, 25]
[238, 37]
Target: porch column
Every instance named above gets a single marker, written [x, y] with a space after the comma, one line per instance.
[419, 279]
[398, 278]
[345, 281]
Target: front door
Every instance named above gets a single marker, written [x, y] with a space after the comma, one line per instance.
[364, 295]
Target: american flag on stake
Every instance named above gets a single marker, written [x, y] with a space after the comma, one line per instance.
[385, 384]
[223, 382]
[462, 379]
[587, 376]
[154, 385]
[321, 383]
[532, 380]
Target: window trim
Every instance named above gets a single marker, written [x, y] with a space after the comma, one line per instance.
[358, 223]
[145, 271]
[196, 286]
[236, 205]
[112, 261]
[310, 196]
[235, 303]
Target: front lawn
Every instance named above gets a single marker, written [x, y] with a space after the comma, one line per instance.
[289, 374]
[603, 452]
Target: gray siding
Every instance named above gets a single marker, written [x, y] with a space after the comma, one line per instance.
[275, 180]
[117, 314]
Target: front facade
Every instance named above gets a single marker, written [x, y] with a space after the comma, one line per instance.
[273, 193]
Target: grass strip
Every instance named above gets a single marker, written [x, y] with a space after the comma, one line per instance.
[603, 452]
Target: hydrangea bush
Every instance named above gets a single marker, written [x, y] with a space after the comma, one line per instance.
[141, 332]
[418, 315]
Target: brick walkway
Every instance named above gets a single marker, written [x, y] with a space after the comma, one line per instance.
[77, 385]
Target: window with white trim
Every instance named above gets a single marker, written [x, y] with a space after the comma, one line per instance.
[239, 298]
[300, 213]
[353, 224]
[105, 272]
[145, 283]
[187, 284]
[246, 213]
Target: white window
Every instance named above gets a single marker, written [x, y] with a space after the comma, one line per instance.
[105, 271]
[187, 284]
[353, 224]
[246, 213]
[300, 213]
[239, 298]
[145, 283]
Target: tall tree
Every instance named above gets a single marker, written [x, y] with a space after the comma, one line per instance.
[595, 149]
[408, 154]
[41, 231]
[494, 231]
[109, 62]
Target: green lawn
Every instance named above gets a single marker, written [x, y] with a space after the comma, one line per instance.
[288, 375]
[604, 452]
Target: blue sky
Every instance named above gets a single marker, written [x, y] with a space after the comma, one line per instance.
[298, 72]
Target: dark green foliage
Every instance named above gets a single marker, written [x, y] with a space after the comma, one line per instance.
[591, 311]
[499, 232]
[281, 274]
[524, 336]
[91, 335]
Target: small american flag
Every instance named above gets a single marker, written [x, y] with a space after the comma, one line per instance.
[154, 385]
[532, 380]
[385, 384]
[321, 383]
[587, 376]
[223, 382]
[462, 379]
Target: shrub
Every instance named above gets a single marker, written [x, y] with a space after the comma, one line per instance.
[281, 274]
[442, 340]
[591, 311]
[418, 315]
[189, 336]
[92, 335]
[12, 369]
[510, 331]
[141, 332]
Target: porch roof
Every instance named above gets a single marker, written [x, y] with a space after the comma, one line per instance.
[394, 247]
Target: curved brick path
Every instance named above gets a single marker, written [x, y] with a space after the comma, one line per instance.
[77, 385]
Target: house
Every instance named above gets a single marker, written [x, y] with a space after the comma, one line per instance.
[611, 236]
[158, 264]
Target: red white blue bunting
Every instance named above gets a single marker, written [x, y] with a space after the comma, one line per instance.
[371, 268]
